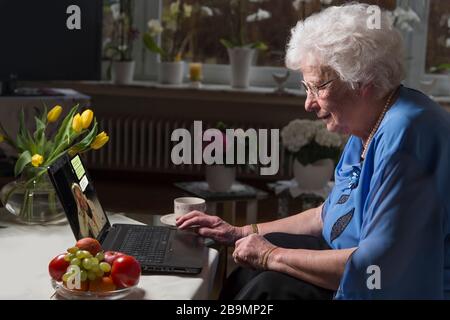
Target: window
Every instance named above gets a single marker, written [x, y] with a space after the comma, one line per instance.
[438, 44]
[428, 44]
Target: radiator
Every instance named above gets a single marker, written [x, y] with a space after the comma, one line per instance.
[143, 144]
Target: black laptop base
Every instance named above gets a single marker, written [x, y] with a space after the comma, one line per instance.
[155, 246]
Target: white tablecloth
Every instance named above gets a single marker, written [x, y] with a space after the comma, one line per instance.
[26, 251]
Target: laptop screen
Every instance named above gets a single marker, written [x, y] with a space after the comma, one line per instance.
[78, 197]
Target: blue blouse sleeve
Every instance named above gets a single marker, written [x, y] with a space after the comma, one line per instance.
[402, 235]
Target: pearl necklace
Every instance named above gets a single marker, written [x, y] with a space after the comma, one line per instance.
[375, 128]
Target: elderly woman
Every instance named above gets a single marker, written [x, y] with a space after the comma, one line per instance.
[383, 232]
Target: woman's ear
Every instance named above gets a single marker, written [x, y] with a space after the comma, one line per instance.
[366, 91]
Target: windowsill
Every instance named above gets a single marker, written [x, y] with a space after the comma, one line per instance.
[210, 92]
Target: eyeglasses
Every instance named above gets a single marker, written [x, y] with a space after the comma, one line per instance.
[315, 90]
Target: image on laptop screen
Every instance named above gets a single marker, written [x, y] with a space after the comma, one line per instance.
[78, 197]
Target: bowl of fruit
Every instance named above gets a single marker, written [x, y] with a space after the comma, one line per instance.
[85, 271]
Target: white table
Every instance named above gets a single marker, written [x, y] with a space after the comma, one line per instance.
[27, 250]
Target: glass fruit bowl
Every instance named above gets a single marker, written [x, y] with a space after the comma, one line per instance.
[67, 293]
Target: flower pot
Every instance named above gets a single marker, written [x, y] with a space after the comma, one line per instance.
[35, 203]
[220, 178]
[171, 72]
[122, 72]
[240, 61]
[313, 176]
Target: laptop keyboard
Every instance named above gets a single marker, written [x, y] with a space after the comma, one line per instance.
[147, 244]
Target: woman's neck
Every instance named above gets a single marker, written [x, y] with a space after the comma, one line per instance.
[370, 114]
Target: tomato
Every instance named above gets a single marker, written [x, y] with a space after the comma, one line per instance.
[110, 256]
[125, 271]
[58, 266]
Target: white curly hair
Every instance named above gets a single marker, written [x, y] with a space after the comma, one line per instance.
[339, 38]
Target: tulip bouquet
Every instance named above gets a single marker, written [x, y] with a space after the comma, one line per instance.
[77, 133]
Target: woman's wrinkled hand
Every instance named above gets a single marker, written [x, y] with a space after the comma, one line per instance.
[210, 226]
[249, 251]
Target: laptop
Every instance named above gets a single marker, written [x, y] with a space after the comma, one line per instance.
[159, 249]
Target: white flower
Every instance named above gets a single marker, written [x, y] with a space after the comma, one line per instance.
[187, 10]
[327, 139]
[258, 16]
[297, 134]
[206, 11]
[174, 8]
[115, 11]
[155, 27]
[403, 19]
[447, 43]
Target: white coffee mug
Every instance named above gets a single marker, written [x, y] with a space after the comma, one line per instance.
[187, 204]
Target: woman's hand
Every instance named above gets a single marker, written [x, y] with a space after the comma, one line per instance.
[210, 226]
[250, 251]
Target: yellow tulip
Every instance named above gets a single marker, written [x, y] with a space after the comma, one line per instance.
[86, 118]
[77, 124]
[2, 138]
[37, 160]
[100, 141]
[54, 114]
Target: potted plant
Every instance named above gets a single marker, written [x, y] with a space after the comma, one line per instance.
[241, 50]
[32, 197]
[119, 48]
[314, 150]
[174, 42]
[220, 177]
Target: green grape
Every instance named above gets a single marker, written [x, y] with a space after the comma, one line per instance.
[86, 262]
[94, 261]
[100, 256]
[105, 266]
[87, 254]
[99, 273]
[83, 275]
[73, 250]
[95, 268]
[68, 257]
[75, 261]
[91, 275]
[66, 276]
[80, 254]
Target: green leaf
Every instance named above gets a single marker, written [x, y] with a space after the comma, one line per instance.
[259, 45]
[87, 140]
[39, 135]
[227, 44]
[24, 139]
[44, 114]
[8, 138]
[63, 137]
[151, 44]
[64, 130]
[21, 163]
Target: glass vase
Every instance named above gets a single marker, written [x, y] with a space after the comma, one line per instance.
[32, 198]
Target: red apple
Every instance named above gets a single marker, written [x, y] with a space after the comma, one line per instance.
[110, 256]
[125, 271]
[89, 244]
[58, 266]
